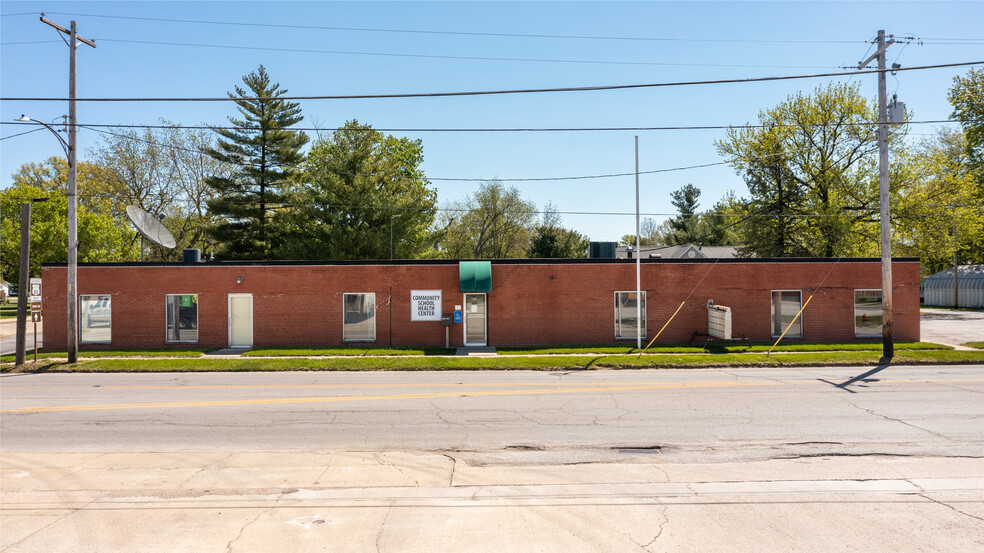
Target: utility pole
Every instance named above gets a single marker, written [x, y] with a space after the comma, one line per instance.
[73, 243]
[638, 254]
[956, 303]
[23, 285]
[888, 346]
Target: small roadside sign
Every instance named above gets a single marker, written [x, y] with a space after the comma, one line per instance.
[36, 288]
[35, 316]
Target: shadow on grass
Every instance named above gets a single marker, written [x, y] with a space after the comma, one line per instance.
[41, 366]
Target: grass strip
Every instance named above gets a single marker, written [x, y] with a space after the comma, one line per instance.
[9, 311]
[354, 351]
[416, 363]
[720, 348]
[94, 354]
[978, 345]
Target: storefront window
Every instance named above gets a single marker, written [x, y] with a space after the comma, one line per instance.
[359, 323]
[96, 319]
[182, 318]
[867, 313]
[626, 322]
[785, 305]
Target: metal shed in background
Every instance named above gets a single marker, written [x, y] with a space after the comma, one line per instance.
[938, 288]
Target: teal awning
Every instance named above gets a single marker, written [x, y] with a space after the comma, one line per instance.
[475, 276]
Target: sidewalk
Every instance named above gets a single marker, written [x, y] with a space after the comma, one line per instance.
[457, 501]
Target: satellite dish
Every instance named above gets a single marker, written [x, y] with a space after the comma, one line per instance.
[150, 227]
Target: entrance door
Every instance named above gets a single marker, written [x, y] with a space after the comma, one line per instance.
[240, 320]
[475, 320]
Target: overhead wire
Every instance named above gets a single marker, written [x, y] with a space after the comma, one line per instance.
[456, 33]
[453, 57]
[492, 129]
[297, 26]
[496, 92]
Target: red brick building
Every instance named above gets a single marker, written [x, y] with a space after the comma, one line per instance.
[502, 302]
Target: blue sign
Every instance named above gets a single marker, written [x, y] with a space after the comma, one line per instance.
[457, 316]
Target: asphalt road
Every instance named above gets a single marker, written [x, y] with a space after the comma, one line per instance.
[685, 415]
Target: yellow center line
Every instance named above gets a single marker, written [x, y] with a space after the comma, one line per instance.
[438, 395]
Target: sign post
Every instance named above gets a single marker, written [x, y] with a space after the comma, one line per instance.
[35, 298]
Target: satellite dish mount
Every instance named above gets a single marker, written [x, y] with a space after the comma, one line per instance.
[150, 227]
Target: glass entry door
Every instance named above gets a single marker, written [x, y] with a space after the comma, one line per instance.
[476, 321]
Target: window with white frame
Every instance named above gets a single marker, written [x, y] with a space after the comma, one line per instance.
[627, 324]
[182, 318]
[359, 318]
[867, 313]
[95, 319]
[785, 305]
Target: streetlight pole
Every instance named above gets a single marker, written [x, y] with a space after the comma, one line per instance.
[72, 336]
[391, 233]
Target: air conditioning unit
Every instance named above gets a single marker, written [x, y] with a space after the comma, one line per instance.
[718, 321]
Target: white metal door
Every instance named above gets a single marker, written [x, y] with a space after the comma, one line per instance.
[476, 320]
[240, 320]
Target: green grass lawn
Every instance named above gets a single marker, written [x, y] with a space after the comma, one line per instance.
[8, 311]
[92, 354]
[978, 345]
[547, 362]
[355, 351]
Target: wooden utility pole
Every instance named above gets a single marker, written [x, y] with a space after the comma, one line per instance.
[956, 303]
[888, 346]
[23, 285]
[73, 244]
[638, 254]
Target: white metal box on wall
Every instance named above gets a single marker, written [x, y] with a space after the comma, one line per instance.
[719, 321]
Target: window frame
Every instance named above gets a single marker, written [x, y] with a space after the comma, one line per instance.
[854, 312]
[109, 299]
[197, 319]
[372, 302]
[645, 327]
[772, 312]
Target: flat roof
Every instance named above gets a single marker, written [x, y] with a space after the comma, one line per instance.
[454, 262]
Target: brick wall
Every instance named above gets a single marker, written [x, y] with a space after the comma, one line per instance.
[530, 303]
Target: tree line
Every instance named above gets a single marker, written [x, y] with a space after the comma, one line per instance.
[260, 189]
[810, 165]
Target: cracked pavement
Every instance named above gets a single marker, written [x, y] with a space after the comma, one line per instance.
[813, 459]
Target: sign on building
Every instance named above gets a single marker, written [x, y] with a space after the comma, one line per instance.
[425, 305]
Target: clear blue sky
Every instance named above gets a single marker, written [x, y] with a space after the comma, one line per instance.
[34, 63]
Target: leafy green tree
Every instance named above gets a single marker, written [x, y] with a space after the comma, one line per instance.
[939, 211]
[811, 168]
[101, 237]
[163, 171]
[493, 223]
[357, 183]
[967, 98]
[550, 240]
[266, 155]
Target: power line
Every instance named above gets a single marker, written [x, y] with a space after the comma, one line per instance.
[451, 57]
[489, 129]
[446, 179]
[501, 92]
[455, 33]
[22, 133]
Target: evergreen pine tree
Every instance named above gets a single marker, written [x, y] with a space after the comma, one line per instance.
[267, 156]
